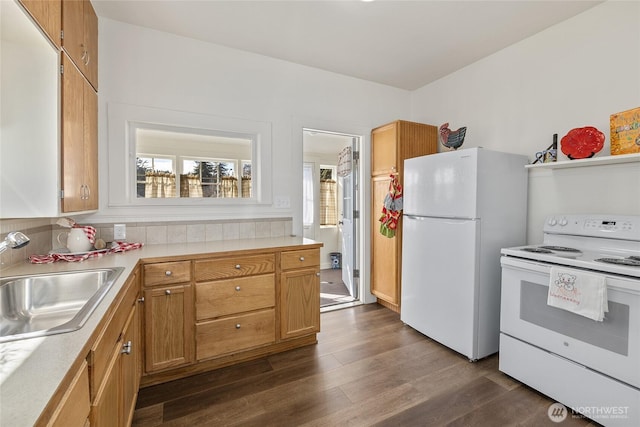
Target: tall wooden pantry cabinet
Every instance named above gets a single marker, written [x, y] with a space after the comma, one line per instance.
[391, 144]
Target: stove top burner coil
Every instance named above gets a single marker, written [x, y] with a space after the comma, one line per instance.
[634, 257]
[537, 250]
[561, 249]
[621, 261]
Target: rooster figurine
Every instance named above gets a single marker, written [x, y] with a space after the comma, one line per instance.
[452, 138]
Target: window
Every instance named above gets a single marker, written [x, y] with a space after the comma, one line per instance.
[328, 196]
[195, 176]
[140, 138]
[150, 169]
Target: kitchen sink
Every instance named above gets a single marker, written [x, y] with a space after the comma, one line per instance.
[39, 305]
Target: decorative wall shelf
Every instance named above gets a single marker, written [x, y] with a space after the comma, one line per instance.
[596, 161]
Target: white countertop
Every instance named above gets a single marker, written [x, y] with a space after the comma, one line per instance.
[32, 369]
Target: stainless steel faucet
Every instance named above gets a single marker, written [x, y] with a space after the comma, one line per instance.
[14, 240]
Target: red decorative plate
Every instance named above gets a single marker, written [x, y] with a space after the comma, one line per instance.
[582, 143]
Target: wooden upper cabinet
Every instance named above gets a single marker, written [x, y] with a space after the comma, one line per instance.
[383, 149]
[80, 37]
[79, 141]
[392, 143]
[48, 15]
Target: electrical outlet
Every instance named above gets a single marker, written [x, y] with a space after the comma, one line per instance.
[282, 202]
[119, 231]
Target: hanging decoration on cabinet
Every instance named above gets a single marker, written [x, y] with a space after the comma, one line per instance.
[391, 208]
[452, 138]
[344, 162]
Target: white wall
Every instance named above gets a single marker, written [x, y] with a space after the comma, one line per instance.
[574, 74]
[148, 68]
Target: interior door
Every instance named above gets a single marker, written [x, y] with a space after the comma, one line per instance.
[346, 234]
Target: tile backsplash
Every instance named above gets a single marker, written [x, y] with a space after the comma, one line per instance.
[43, 233]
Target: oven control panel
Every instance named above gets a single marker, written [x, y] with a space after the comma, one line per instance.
[625, 227]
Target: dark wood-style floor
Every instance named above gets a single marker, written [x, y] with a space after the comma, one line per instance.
[368, 368]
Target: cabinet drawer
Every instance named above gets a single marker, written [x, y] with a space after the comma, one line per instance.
[102, 350]
[300, 259]
[231, 334]
[224, 268]
[165, 273]
[231, 296]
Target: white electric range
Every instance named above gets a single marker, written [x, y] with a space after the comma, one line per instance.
[590, 366]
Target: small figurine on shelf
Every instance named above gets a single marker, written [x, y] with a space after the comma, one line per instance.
[550, 154]
[452, 138]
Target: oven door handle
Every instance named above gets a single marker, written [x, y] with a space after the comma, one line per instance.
[525, 265]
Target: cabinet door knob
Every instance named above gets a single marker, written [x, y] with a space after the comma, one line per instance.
[126, 348]
[318, 274]
[141, 300]
[167, 292]
[168, 273]
[301, 258]
[237, 266]
[237, 325]
[237, 288]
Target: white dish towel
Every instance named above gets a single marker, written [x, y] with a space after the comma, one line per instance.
[579, 292]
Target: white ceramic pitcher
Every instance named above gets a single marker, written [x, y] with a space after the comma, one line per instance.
[77, 240]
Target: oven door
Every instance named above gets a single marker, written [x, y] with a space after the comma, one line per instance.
[611, 347]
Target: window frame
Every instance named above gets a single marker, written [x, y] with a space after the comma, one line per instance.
[124, 120]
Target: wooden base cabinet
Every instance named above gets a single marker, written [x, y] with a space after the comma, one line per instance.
[391, 144]
[299, 303]
[299, 293]
[74, 408]
[115, 360]
[168, 327]
[235, 300]
[228, 308]
[168, 315]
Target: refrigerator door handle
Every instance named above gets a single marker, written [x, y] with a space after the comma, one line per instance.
[452, 218]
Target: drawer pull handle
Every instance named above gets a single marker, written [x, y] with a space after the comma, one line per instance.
[301, 258]
[167, 292]
[237, 288]
[168, 273]
[141, 300]
[237, 266]
[126, 348]
[237, 325]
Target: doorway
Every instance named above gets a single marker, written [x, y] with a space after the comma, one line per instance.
[330, 212]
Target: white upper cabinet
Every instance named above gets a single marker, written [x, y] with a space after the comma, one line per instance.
[29, 117]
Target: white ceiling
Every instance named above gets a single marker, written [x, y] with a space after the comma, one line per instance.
[405, 44]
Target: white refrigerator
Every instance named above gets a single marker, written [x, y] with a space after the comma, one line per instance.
[460, 208]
